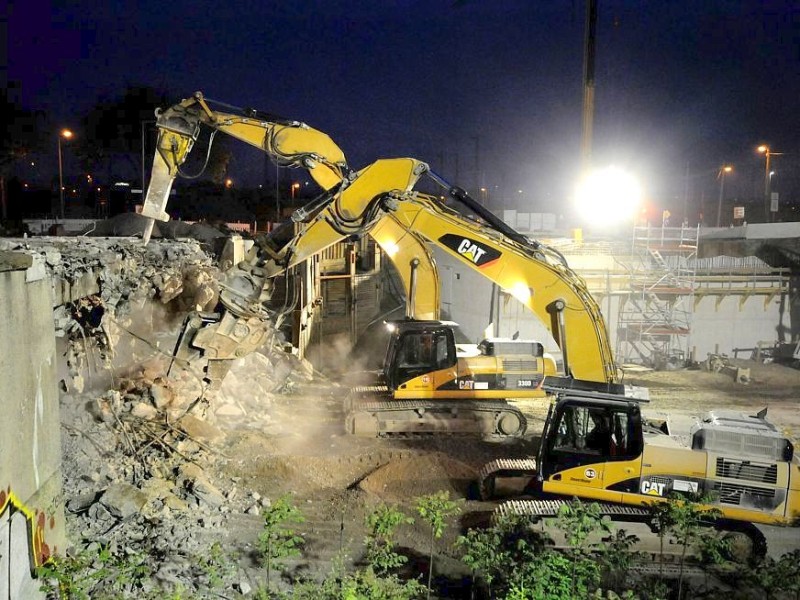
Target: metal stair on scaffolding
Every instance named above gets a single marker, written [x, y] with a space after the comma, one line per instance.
[655, 316]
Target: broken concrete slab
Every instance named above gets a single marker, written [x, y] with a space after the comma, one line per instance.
[200, 430]
[208, 493]
[123, 500]
[163, 395]
[82, 502]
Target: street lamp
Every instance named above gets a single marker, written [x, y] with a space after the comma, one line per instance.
[295, 187]
[764, 149]
[66, 134]
[723, 170]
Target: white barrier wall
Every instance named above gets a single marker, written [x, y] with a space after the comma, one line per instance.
[31, 515]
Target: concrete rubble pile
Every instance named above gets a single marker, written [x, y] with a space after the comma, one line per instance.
[143, 477]
[143, 453]
[146, 474]
[102, 286]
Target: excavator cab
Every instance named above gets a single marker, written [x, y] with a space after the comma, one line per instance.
[416, 348]
[580, 432]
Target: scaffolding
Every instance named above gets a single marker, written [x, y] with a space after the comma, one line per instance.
[655, 315]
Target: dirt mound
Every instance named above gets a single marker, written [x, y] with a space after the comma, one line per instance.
[419, 475]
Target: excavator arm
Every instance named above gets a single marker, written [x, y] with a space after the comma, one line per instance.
[288, 143]
[346, 208]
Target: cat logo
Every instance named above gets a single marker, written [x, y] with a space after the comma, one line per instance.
[469, 249]
[465, 384]
[653, 488]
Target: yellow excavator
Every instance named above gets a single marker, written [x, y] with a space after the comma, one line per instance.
[600, 448]
[428, 386]
[595, 444]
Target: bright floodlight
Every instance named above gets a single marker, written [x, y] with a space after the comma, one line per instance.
[608, 196]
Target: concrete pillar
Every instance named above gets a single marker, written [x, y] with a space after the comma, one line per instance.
[31, 503]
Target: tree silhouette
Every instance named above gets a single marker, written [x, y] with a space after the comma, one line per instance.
[21, 133]
[111, 142]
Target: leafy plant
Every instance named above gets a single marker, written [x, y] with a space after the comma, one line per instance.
[485, 554]
[774, 576]
[611, 595]
[496, 554]
[549, 576]
[617, 556]
[217, 566]
[68, 577]
[278, 541]
[435, 509]
[652, 588]
[98, 573]
[685, 519]
[380, 543]
[578, 521]
[661, 520]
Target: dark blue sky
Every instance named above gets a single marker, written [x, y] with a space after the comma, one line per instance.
[677, 81]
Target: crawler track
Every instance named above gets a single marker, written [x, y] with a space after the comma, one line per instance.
[747, 542]
[372, 412]
[537, 509]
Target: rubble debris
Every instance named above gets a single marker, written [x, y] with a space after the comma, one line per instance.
[141, 410]
[154, 491]
[123, 500]
[720, 363]
[102, 288]
[81, 502]
[199, 430]
[144, 454]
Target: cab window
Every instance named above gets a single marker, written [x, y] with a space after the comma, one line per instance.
[423, 352]
[595, 431]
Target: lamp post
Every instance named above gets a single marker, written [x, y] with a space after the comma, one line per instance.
[765, 150]
[295, 187]
[723, 170]
[66, 134]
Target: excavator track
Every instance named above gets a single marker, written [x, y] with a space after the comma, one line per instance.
[523, 469]
[371, 412]
[537, 509]
[747, 544]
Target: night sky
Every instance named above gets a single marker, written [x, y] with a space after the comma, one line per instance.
[452, 82]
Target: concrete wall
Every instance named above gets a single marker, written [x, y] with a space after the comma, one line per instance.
[734, 322]
[31, 513]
